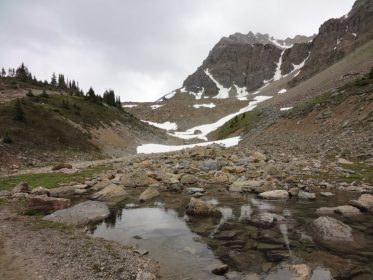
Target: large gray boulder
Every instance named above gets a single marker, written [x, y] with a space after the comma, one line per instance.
[336, 235]
[80, 214]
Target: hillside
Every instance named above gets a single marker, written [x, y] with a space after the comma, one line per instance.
[241, 67]
[41, 125]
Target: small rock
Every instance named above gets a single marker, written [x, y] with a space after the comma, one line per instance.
[198, 207]
[62, 166]
[111, 192]
[40, 191]
[344, 161]
[46, 203]
[220, 270]
[306, 195]
[276, 194]
[347, 210]
[208, 165]
[326, 194]
[189, 179]
[257, 157]
[148, 194]
[22, 187]
[300, 271]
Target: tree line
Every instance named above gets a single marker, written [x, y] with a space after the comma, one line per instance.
[59, 82]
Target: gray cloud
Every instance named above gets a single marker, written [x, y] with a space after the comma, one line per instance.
[142, 49]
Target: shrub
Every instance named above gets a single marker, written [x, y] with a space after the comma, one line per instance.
[29, 93]
[19, 115]
[44, 94]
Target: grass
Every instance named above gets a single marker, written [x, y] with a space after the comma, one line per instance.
[244, 121]
[50, 180]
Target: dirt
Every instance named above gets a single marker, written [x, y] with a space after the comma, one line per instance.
[33, 249]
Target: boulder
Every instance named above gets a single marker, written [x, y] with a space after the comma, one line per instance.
[220, 270]
[210, 164]
[306, 195]
[276, 194]
[110, 193]
[345, 210]
[22, 187]
[335, 235]
[245, 186]
[148, 194]
[234, 169]
[198, 207]
[65, 191]
[257, 157]
[326, 194]
[265, 220]
[189, 179]
[62, 166]
[364, 203]
[80, 214]
[137, 178]
[40, 191]
[46, 203]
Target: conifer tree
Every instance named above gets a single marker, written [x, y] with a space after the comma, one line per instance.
[19, 115]
[54, 80]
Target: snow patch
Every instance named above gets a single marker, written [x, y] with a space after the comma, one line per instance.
[129, 106]
[241, 91]
[197, 95]
[157, 148]
[166, 125]
[155, 106]
[286, 108]
[209, 105]
[282, 91]
[278, 74]
[279, 44]
[223, 92]
[207, 128]
[354, 34]
[242, 98]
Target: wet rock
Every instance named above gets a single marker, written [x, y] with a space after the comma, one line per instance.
[290, 180]
[347, 210]
[220, 270]
[46, 203]
[275, 194]
[22, 187]
[195, 190]
[335, 235]
[189, 179]
[210, 164]
[148, 194]
[226, 235]
[326, 210]
[80, 214]
[364, 203]
[300, 271]
[198, 207]
[306, 195]
[110, 193]
[40, 191]
[265, 220]
[245, 186]
[326, 194]
[62, 166]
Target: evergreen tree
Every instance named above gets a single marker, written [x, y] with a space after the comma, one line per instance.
[23, 74]
[91, 93]
[54, 80]
[19, 115]
[3, 73]
[109, 97]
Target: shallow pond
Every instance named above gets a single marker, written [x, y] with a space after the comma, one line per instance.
[190, 247]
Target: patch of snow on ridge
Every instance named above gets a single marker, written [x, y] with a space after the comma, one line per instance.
[166, 125]
[129, 106]
[207, 128]
[286, 108]
[197, 95]
[300, 66]
[278, 74]
[223, 92]
[208, 105]
[241, 91]
[155, 106]
[282, 91]
[157, 148]
[278, 44]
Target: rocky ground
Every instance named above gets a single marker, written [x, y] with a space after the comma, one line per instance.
[186, 181]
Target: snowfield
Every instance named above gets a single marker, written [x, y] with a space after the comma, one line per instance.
[129, 106]
[223, 92]
[166, 125]
[205, 129]
[282, 91]
[286, 108]
[155, 106]
[158, 148]
[208, 105]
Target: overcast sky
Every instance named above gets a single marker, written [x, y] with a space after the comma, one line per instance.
[142, 49]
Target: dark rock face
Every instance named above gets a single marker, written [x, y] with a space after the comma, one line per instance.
[244, 61]
[338, 37]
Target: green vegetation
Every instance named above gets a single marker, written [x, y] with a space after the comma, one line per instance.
[243, 122]
[50, 180]
[19, 115]
[361, 172]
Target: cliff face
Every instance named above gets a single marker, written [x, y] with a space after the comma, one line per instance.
[242, 63]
